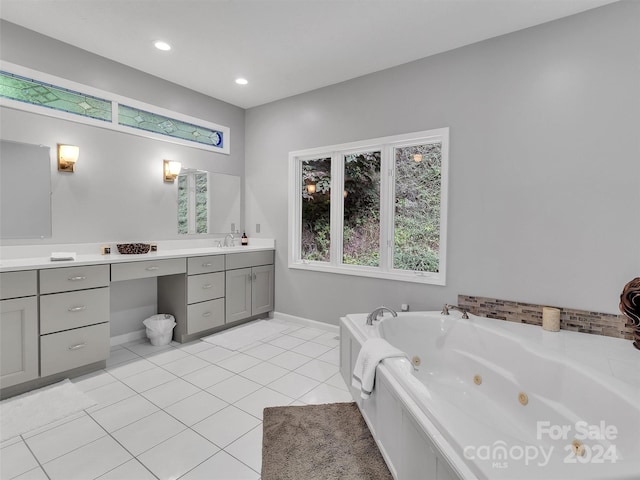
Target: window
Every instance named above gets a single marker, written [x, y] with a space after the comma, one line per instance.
[25, 89]
[193, 195]
[373, 208]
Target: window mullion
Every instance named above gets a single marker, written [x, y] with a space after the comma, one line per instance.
[337, 207]
[295, 213]
[386, 229]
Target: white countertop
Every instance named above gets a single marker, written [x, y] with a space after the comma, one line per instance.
[32, 257]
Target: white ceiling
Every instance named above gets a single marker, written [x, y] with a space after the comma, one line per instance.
[282, 47]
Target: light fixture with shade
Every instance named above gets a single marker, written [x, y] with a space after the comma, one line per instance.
[311, 188]
[171, 170]
[417, 157]
[67, 157]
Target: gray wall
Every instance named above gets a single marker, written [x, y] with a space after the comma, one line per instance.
[117, 192]
[544, 166]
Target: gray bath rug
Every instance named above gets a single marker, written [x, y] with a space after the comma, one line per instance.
[322, 442]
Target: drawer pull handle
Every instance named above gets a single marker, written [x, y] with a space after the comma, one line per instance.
[207, 265]
[206, 314]
[79, 308]
[78, 346]
[254, 277]
[207, 286]
[153, 269]
[77, 279]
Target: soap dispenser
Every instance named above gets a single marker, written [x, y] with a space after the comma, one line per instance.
[244, 240]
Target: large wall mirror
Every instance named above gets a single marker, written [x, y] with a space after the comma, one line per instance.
[208, 202]
[25, 190]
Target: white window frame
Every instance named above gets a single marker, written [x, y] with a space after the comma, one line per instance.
[386, 146]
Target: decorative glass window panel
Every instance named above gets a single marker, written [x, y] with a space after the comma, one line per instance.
[418, 177]
[201, 201]
[25, 89]
[183, 204]
[361, 209]
[193, 202]
[316, 210]
[34, 92]
[170, 127]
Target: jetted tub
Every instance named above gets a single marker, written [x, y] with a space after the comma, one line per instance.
[490, 399]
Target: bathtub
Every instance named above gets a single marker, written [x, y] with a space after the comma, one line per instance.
[489, 399]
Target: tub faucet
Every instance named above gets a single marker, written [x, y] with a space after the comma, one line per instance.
[447, 307]
[377, 312]
[228, 240]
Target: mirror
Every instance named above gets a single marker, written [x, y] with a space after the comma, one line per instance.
[208, 202]
[25, 190]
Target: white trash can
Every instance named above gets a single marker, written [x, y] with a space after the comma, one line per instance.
[160, 328]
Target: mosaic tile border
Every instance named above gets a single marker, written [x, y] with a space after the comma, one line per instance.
[570, 319]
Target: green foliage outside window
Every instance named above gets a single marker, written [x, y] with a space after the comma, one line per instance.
[416, 223]
[417, 208]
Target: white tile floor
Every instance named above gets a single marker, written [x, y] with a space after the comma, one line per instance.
[191, 411]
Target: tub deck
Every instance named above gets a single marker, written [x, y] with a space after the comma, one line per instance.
[468, 389]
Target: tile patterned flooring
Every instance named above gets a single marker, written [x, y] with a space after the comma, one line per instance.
[190, 411]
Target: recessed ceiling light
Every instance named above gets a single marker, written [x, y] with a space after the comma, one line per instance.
[242, 81]
[164, 46]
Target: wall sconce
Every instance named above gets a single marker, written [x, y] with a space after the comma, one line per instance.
[417, 157]
[67, 157]
[171, 170]
[311, 188]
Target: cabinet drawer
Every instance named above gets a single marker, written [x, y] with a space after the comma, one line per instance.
[147, 268]
[249, 259]
[212, 263]
[55, 280]
[18, 284]
[64, 311]
[73, 348]
[205, 315]
[205, 287]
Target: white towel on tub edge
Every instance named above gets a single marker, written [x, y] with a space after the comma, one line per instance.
[372, 352]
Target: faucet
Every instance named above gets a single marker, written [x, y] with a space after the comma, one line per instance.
[228, 240]
[378, 312]
[447, 307]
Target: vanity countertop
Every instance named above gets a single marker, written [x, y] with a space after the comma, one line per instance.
[37, 257]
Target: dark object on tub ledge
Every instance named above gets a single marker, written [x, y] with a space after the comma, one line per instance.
[630, 306]
[133, 248]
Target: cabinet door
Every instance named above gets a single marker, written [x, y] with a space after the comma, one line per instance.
[19, 341]
[238, 294]
[262, 289]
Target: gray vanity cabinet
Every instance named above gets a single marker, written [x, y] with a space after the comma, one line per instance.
[18, 328]
[249, 289]
[195, 300]
[74, 317]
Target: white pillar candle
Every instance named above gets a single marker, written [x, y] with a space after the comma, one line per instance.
[551, 319]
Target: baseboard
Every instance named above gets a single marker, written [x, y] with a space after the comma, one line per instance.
[128, 337]
[307, 322]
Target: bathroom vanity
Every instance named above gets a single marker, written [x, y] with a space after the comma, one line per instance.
[54, 320]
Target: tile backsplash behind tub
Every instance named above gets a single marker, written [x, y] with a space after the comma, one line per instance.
[570, 319]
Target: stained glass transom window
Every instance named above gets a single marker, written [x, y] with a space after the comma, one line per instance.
[31, 91]
[152, 122]
[22, 91]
